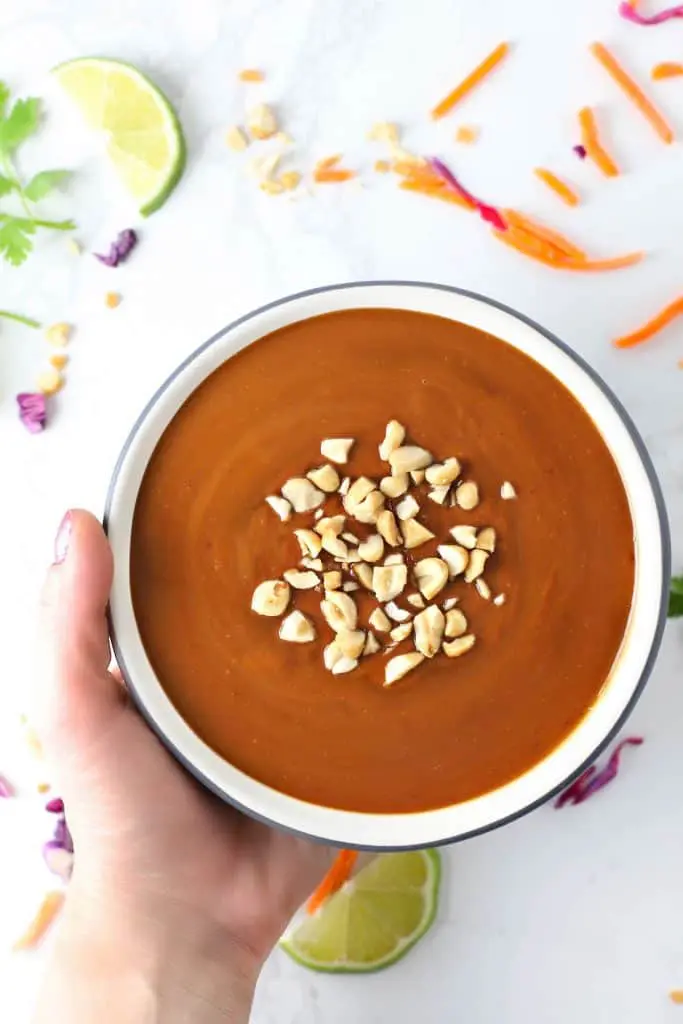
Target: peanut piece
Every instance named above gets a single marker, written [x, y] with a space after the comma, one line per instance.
[398, 667]
[297, 629]
[270, 597]
[429, 628]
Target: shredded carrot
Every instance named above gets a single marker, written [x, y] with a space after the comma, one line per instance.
[41, 923]
[472, 80]
[411, 170]
[436, 189]
[593, 146]
[339, 873]
[668, 69]
[467, 134]
[566, 194]
[532, 227]
[251, 75]
[632, 91]
[676, 997]
[615, 263]
[653, 326]
[322, 176]
[547, 254]
[531, 245]
[327, 162]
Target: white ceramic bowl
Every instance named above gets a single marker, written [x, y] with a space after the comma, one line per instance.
[631, 667]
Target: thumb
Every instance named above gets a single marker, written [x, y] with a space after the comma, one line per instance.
[75, 695]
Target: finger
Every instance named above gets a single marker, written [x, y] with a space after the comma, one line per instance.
[74, 692]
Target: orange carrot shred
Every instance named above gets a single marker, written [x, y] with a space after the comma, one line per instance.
[633, 91]
[653, 326]
[668, 69]
[40, 925]
[323, 175]
[467, 134]
[251, 75]
[550, 256]
[339, 873]
[676, 997]
[593, 146]
[472, 80]
[566, 194]
[614, 263]
[531, 245]
[438, 190]
[532, 227]
[328, 161]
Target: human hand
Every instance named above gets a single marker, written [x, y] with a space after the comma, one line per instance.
[173, 892]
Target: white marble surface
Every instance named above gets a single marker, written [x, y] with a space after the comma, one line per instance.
[563, 916]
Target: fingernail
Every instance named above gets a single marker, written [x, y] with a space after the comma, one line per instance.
[62, 539]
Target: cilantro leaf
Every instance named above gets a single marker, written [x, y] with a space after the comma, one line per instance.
[6, 185]
[676, 598]
[21, 122]
[42, 184]
[4, 97]
[15, 241]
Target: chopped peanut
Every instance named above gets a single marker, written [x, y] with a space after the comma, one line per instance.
[236, 138]
[290, 180]
[50, 381]
[58, 335]
[261, 122]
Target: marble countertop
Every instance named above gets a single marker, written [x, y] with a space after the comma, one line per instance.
[562, 916]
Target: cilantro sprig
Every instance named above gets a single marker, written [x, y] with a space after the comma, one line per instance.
[676, 598]
[19, 120]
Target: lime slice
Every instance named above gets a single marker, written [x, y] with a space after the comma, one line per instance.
[144, 138]
[374, 919]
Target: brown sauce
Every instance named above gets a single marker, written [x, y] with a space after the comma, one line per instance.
[203, 538]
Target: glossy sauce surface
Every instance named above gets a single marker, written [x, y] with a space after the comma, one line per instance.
[203, 538]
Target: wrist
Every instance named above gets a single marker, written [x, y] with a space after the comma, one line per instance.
[138, 968]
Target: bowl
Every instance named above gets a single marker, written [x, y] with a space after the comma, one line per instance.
[631, 667]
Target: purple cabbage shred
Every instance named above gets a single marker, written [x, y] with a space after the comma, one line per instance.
[580, 151]
[628, 11]
[6, 791]
[489, 214]
[593, 780]
[120, 250]
[58, 852]
[32, 411]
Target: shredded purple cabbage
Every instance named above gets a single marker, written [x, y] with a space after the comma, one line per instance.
[120, 250]
[32, 410]
[58, 852]
[593, 780]
[487, 213]
[580, 151]
[627, 11]
[6, 790]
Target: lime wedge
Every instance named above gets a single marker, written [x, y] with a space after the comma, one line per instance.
[374, 919]
[144, 138]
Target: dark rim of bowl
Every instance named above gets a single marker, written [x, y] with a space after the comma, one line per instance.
[644, 458]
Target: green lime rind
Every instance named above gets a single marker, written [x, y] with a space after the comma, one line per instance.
[173, 131]
[431, 890]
